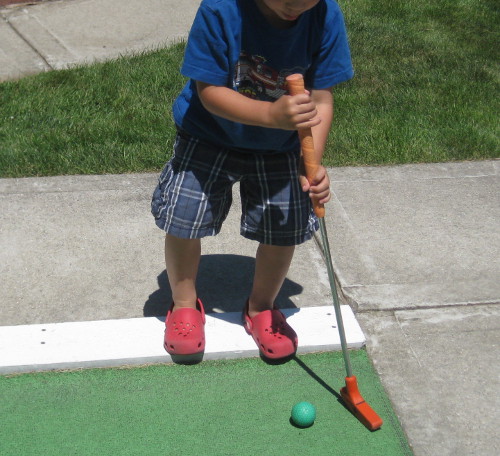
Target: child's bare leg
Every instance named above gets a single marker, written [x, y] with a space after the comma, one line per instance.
[182, 258]
[271, 266]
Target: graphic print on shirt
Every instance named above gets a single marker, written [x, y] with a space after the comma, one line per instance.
[254, 79]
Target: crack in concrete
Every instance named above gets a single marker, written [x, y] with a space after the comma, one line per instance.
[31, 46]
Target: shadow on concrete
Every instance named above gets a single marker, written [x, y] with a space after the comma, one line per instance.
[224, 283]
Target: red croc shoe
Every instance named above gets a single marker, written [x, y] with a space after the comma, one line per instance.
[273, 335]
[185, 331]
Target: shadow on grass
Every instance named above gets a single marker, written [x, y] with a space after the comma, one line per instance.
[319, 379]
[329, 389]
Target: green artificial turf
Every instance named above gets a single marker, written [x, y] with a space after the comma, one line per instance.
[237, 407]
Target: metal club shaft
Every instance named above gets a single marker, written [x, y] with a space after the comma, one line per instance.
[333, 287]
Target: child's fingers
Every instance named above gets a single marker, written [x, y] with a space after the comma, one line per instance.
[304, 183]
[321, 180]
[323, 197]
[320, 198]
[304, 105]
[303, 113]
[320, 193]
[320, 189]
[307, 122]
[293, 112]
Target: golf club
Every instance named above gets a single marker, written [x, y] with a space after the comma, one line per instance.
[350, 393]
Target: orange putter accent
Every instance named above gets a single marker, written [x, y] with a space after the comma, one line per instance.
[358, 406]
[350, 393]
[295, 84]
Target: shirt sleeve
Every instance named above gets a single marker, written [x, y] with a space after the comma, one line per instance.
[206, 56]
[332, 63]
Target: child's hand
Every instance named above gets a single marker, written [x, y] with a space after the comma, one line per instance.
[319, 188]
[294, 112]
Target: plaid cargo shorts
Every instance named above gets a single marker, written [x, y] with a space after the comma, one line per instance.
[194, 194]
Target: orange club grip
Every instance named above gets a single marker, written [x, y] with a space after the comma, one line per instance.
[295, 84]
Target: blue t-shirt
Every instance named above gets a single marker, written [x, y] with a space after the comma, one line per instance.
[232, 44]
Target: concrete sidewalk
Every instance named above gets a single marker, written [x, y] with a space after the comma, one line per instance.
[67, 253]
[416, 248]
[56, 34]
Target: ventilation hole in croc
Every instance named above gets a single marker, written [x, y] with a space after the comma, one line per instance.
[270, 351]
[199, 344]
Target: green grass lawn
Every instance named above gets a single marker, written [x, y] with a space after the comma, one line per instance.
[425, 90]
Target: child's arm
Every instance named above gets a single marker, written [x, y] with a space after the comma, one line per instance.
[286, 113]
[323, 100]
[309, 110]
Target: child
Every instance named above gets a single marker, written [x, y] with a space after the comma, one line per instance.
[236, 123]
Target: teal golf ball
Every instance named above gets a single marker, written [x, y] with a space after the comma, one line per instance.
[303, 414]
